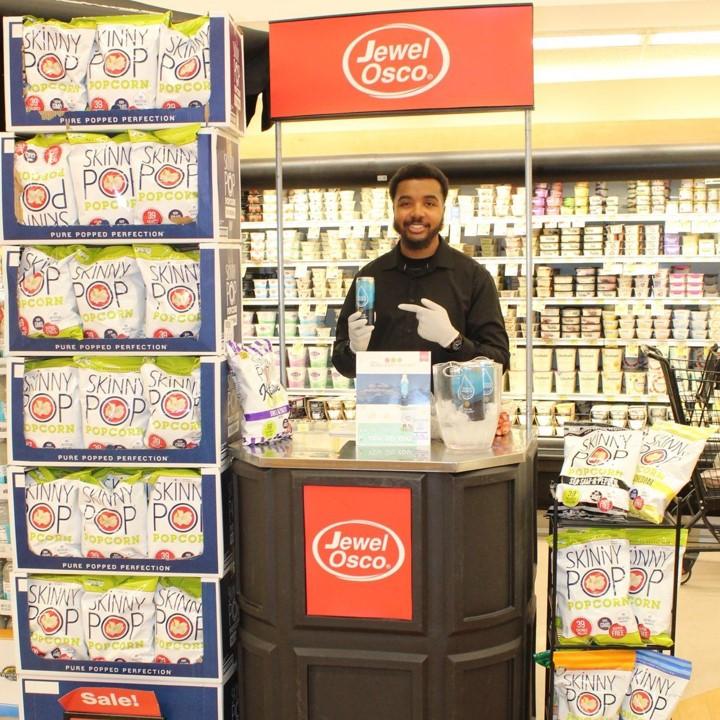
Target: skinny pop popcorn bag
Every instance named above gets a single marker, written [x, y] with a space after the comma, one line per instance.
[165, 170]
[656, 686]
[264, 401]
[46, 301]
[123, 69]
[43, 186]
[114, 408]
[175, 528]
[592, 685]
[667, 459]
[593, 586]
[52, 511]
[119, 618]
[184, 64]
[114, 514]
[51, 405]
[55, 61]
[101, 172]
[110, 292]
[652, 567]
[55, 617]
[172, 287]
[179, 621]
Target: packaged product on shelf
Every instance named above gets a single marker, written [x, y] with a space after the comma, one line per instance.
[101, 172]
[114, 407]
[668, 457]
[174, 514]
[172, 385]
[592, 685]
[54, 521]
[113, 506]
[118, 615]
[55, 616]
[55, 60]
[52, 414]
[656, 686]
[265, 409]
[44, 190]
[597, 470]
[652, 569]
[172, 290]
[593, 585]
[45, 296]
[184, 64]
[123, 69]
[165, 173]
[179, 621]
[110, 292]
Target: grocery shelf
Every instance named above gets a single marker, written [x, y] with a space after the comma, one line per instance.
[313, 263]
[604, 397]
[608, 342]
[344, 392]
[539, 302]
[298, 224]
[307, 340]
[255, 302]
[619, 259]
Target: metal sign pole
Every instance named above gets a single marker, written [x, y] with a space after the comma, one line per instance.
[280, 252]
[528, 276]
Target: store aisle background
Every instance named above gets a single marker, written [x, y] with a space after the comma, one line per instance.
[698, 626]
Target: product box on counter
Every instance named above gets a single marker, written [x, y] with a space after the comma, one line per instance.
[179, 521]
[218, 411]
[218, 203]
[92, 699]
[219, 288]
[226, 107]
[126, 626]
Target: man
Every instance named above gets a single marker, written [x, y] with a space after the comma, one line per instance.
[428, 296]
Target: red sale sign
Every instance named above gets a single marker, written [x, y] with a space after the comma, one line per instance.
[418, 60]
[358, 551]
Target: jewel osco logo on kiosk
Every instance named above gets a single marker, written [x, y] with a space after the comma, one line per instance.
[358, 551]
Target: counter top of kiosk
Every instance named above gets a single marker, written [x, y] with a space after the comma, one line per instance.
[384, 584]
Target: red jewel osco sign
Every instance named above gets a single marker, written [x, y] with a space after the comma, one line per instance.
[358, 551]
[420, 60]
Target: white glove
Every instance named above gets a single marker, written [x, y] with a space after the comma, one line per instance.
[433, 322]
[359, 332]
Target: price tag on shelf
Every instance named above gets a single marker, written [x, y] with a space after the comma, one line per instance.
[484, 228]
[537, 221]
[663, 348]
[578, 223]
[640, 308]
[500, 228]
[632, 349]
[455, 236]
[621, 308]
[612, 268]
[673, 226]
[512, 269]
[538, 305]
[313, 232]
[374, 230]
[471, 229]
[358, 230]
[641, 268]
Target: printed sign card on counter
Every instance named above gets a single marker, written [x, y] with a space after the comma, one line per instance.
[358, 552]
[393, 399]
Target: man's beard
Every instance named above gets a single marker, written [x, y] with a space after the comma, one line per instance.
[417, 243]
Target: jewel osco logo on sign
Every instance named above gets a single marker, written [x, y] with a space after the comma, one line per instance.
[358, 550]
[398, 60]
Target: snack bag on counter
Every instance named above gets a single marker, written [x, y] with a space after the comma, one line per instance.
[179, 621]
[652, 568]
[112, 395]
[55, 616]
[119, 617]
[657, 684]
[263, 399]
[597, 471]
[668, 457]
[55, 63]
[172, 386]
[593, 588]
[101, 172]
[113, 504]
[172, 289]
[592, 685]
[43, 185]
[184, 64]
[175, 528]
[165, 170]
[123, 69]
[110, 291]
[45, 296]
[52, 511]
[52, 416]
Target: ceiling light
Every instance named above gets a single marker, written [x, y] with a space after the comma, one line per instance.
[568, 42]
[697, 37]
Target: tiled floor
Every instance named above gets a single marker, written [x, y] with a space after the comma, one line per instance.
[698, 628]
